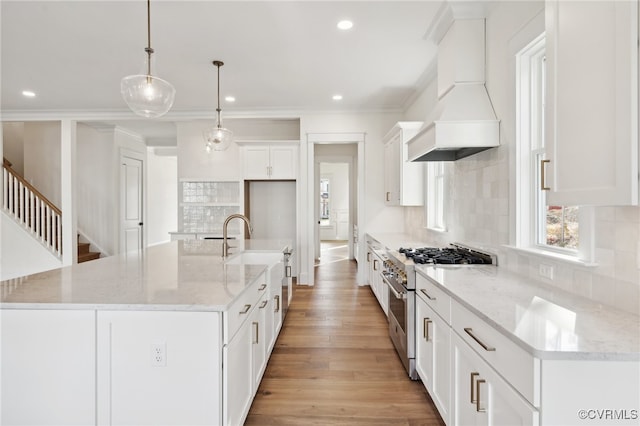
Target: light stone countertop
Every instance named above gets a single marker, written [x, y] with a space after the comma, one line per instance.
[546, 321]
[180, 276]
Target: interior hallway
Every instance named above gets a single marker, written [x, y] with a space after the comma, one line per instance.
[334, 364]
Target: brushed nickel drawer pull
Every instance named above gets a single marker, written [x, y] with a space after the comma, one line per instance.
[264, 303]
[487, 348]
[425, 333]
[245, 310]
[287, 271]
[375, 264]
[277, 306]
[543, 179]
[472, 386]
[262, 287]
[387, 196]
[478, 409]
[427, 294]
[368, 256]
[257, 335]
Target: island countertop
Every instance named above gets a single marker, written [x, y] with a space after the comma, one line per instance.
[185, 275]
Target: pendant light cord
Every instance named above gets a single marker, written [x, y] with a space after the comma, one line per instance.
[218, 64]
[148, 49]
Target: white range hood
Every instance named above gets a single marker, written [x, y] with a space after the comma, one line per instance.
[463, 123]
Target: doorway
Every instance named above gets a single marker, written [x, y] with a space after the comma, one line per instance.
[337, 148]
[333, 200]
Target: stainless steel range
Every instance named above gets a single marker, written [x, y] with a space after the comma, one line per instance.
[399, 275]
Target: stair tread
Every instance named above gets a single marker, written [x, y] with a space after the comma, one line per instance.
[84, 257]
[83, 248]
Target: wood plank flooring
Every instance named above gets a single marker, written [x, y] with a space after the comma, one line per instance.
[334, 364]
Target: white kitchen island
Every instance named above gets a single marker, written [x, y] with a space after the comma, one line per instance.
[140, 338]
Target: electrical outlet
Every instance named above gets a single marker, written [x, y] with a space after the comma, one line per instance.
[546, 271]
[159, 354]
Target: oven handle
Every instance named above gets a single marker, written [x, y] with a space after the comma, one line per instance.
[402, 294]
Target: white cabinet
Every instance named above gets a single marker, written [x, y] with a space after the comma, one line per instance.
[592, 102]
[146, 362]
[270, 161]
[433, 356]
[403, 180]
[374, 275]
[261, 332]
[275, 291]
[481, 396]
[43, 382]
[237, 377]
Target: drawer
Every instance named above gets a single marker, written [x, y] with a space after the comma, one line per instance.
[513, 363]
[436, 298]
[242, 307]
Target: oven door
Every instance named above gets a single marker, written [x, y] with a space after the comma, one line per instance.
[401, 323]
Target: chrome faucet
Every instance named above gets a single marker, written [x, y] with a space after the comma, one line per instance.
[225, 245]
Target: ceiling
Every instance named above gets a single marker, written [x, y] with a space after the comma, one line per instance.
[279, 56]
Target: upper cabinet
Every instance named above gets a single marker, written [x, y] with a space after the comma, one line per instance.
[403, 180]
[592, 103]
[270, 161]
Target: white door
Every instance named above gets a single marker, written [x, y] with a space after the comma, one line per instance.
[131, 201]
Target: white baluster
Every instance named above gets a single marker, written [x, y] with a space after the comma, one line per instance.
[21, 214]
[59, 235]
[10, 193]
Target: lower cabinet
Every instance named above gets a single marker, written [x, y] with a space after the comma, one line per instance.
[377, 284]
[261, 332]
[481, 396]
[237, 376]
[433, 356]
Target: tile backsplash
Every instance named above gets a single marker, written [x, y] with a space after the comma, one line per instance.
[204, 205]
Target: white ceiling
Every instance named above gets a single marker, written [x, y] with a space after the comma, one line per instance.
[279, 56]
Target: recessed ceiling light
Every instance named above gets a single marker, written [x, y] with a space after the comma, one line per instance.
[230, 98]
[345, 24]
[337, 97]
[28, 94]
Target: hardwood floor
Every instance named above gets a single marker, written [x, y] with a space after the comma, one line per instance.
[334, 364]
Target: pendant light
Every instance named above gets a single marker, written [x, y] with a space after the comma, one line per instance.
[145, 94]
[218, 138]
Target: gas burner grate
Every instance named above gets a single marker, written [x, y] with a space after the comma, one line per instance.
[447, 256]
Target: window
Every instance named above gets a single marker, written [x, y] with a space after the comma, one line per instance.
[540, 226]
[435, 195]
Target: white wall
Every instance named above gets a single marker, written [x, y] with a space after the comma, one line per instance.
[96, 187]
[162, 196]
[20, 253]
[42, 158]
[13, 150]
[482, 187]
[273, 209]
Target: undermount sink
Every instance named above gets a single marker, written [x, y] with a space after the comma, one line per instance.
[254, 258]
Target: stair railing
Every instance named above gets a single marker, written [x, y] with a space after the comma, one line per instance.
[32, 209]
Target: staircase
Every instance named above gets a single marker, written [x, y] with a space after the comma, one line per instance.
[26, 205]
[84, 252]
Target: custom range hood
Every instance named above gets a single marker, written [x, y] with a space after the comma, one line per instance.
[463, 122]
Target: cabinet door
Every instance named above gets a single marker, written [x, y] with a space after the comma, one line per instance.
[48, 367]
[256, 162]
[256, 324]
[275, 290]
[592, 102]
[237, 377]
[283, 162]
[433, 356]
[391, 161]
[481, 396]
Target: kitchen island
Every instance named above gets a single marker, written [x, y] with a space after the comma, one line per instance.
[141, 337]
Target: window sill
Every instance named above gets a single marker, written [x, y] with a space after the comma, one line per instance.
[558, 257]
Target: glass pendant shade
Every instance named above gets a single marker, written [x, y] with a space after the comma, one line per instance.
[147, 96]
[217, 138]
